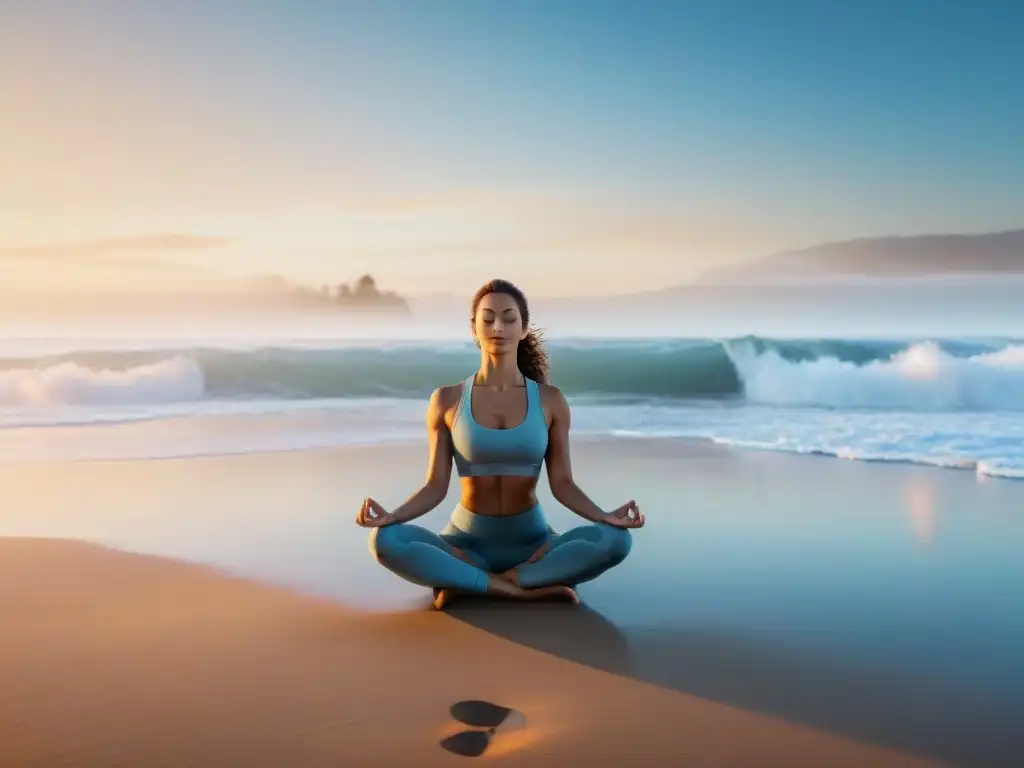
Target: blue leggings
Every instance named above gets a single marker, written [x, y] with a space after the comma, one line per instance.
[497, 544]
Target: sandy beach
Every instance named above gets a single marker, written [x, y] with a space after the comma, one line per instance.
[132, 660]
[225, 611]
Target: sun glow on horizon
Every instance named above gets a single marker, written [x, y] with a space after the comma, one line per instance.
[585, 153]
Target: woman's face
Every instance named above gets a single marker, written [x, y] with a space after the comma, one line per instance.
[498, 324]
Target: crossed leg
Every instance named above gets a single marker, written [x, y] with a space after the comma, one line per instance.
[427, 559]
[424, 558]
[578, 555]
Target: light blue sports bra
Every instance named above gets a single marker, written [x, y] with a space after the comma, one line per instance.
[483, 452]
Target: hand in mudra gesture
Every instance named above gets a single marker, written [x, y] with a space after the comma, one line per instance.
[626, 516]
[373, 515]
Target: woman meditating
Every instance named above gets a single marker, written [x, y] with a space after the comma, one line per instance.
[499, 426]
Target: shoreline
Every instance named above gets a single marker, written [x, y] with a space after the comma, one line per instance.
[976, 468]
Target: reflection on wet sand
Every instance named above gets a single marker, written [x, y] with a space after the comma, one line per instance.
[919, 497]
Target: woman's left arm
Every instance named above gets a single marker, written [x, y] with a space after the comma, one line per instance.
[563, 486]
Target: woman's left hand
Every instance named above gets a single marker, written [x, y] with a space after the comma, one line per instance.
[626, 516]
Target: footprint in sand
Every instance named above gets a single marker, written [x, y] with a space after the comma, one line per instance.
[493, 718]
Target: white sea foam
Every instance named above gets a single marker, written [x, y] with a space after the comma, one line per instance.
[171, 380]
[921, 377]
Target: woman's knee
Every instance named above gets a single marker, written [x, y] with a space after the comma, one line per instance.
[616, 543]
[385, 541]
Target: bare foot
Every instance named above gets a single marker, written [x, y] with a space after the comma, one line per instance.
[512, 574]
[443, 597]
[544, 593]
[505, 588]
[502, 587]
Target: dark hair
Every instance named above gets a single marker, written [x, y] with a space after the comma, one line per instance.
[531, 357]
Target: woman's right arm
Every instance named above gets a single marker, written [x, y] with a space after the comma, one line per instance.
[439, 466]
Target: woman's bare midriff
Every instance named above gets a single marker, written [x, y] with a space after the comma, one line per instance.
[498, 496]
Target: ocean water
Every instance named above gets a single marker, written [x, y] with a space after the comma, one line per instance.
[954, 403]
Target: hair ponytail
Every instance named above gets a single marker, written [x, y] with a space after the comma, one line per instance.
[532, 358]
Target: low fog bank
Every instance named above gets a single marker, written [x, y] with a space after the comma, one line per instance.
[942, 308]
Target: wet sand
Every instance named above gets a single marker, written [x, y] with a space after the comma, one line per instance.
[124, 659]
[728, 637]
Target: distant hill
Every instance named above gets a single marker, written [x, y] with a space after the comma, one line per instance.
[222, 298]
[364, 294]
[910, 256]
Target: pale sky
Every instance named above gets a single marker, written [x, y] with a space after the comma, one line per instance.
[574, 146]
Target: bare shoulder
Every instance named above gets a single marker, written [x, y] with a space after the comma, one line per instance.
[448, 395]
[552, 400]
[444, 400]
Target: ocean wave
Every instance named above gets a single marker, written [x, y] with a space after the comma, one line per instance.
[171, 380]
[980, 467]
[942, 375]
[924, 376]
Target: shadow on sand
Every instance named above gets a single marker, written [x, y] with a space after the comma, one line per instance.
[866, 704]
[480, 715]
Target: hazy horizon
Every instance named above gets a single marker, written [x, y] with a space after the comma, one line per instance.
[577, 149]
[873, 309]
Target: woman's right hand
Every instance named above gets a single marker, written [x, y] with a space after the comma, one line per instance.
[373, 515]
